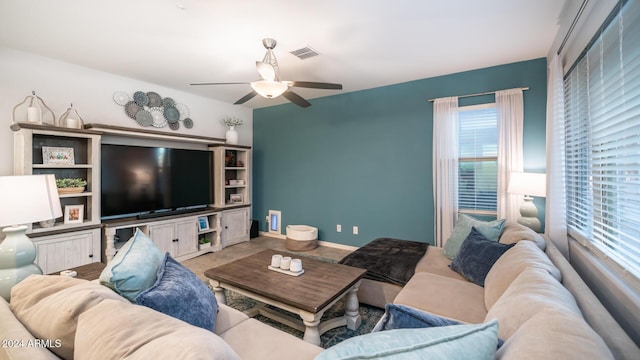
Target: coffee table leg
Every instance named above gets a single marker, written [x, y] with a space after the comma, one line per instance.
[352, 308]
[311, 332]
[218, 292]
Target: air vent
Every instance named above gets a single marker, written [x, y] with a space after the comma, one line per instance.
[305, 53]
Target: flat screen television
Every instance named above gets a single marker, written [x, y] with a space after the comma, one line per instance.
[153, 181]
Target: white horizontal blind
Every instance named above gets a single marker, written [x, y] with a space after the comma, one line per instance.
[602, 133]
[478, 159]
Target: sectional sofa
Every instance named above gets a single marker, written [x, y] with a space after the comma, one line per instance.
[53, 317]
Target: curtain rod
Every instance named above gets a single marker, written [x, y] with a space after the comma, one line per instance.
[572, 26]
[483, 93]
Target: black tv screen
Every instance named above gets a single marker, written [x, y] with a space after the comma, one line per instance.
[140, 180]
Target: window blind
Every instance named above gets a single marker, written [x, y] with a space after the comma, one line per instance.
[602, 138]
[477, 160]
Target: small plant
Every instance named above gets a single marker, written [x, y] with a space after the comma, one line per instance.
[203, 241]
[230, 121]
[69, 183]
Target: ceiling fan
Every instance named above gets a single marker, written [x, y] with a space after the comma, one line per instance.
[270, 85]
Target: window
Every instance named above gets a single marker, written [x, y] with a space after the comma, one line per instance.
[602, 142]
[478, 159]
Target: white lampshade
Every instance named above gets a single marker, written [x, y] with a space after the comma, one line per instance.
[531, 184]
[27, 199]
[269, 88]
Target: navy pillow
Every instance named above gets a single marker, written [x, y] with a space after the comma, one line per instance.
[476, 257]
[179, 293]
[404, 317]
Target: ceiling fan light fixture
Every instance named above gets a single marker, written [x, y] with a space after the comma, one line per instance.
[269, 88]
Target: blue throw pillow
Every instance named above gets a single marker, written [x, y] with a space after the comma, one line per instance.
[398, 316]
[134, 267]
[489, 229]
[476, 257]
[179, 293]
[478, 342]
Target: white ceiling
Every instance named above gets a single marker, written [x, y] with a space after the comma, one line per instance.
[363, 43]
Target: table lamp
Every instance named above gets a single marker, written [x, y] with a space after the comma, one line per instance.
[23, 200]
[528, 184]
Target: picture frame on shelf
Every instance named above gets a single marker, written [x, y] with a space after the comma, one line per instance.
[73, 214]
[57, 156]
[236, 198]
[203, 223]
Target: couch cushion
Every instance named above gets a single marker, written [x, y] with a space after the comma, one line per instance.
[531, 292]
[489, 229]
[476, 256]
[554, 334]
[134, 267]
[267, 342]
[447, 342]
[49, 307]
[227, 318]
[116, 330]
[464, 301]
[514, 232]
[524, 254]
[15, 338]
[398, 316]
[435, 262]
[179, 293]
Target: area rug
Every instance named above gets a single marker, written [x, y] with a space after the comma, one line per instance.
[370, 316]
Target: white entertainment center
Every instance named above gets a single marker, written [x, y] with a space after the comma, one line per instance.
[63, 246]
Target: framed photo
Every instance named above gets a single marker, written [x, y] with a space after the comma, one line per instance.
[235, 198]
[73, 214]
[203, 223]
[57, 156]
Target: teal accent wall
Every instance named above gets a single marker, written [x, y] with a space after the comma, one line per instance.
[364, 158]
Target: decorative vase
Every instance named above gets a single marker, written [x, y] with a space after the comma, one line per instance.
[231, 135]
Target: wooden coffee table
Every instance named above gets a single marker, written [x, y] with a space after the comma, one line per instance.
[308, 295]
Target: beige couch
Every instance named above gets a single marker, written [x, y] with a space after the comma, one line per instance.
[52, 317]
[538, 316]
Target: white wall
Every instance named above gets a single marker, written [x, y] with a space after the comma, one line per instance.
[59, 84]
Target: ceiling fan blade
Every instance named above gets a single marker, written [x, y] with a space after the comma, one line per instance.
[315, 85]
[266, 70]
[296, 99]
[218, 83]
[246, 98]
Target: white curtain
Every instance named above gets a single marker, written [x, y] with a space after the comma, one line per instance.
[445, 166]
[510, 111]
[555, 208]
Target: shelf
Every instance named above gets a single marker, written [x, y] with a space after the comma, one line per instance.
[234, 186]
[82, 194]
[235, 168]
[53, 166]
[58, 226]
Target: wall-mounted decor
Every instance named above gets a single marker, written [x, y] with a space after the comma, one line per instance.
[150, 109]
[33, 110]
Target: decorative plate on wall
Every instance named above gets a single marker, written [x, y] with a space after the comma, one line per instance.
[141, 98]
[154, 99]
[150, 109]
[144, 118]
[171, 114]
[183, 110]
[121, 98]
[131, 108]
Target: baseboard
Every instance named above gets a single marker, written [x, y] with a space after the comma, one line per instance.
[277, 236]
[337, 246]
[321, 243]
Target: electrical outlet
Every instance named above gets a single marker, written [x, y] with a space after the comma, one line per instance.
[355, 230]
[339, 228]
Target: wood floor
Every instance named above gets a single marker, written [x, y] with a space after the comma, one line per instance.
[201, 263]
